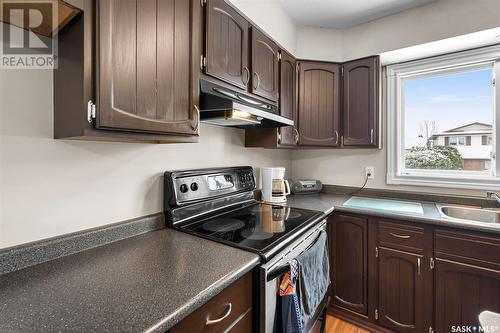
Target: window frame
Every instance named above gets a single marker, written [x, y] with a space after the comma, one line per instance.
[445, 64]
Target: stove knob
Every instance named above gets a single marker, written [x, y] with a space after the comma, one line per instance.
[194, 186]
[184, 188]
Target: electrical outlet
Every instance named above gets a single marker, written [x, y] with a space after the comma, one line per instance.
[370, 172]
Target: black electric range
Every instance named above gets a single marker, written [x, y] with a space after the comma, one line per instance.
[219, 204]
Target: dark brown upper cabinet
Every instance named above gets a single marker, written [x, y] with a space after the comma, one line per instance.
[288, 136]
[319, 104]
[265, 62]
[361, 102]
[349, 263]
[283, 137]
[227, 40]
[128, 71]
[144, 66]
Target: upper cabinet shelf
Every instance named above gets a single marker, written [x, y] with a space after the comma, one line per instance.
[128, 71]
[333, 106]
[65, 13]
[238, 54]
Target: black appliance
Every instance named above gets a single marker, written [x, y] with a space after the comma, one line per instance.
[225, 107]
[219, 204]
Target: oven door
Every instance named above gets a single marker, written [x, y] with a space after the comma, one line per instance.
[269, 289]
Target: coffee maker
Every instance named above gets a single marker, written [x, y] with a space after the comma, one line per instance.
[275, 187]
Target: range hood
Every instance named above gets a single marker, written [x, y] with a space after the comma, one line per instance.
[225, 107]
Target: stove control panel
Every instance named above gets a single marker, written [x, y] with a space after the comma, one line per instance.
[182, 187]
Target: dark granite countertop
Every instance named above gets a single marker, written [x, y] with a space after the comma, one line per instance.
[144, 283]
[327, 203]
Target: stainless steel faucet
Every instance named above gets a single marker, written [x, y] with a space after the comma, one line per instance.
[493, 195]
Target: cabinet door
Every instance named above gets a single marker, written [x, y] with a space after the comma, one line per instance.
[462, 292]
[361, 102]
[288, 98]
[349, 256]
[265, 74]
[226, 44]
[145, 63]
[318, 114]
[401, 286]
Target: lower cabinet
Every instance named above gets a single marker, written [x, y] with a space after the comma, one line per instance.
[463, 292]
[230, 311]
[467, 278]
[402, 300]
[349, 256]
[399, 276]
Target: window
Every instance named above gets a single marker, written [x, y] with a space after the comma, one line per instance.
[442, 120]
[456, 141]
[487, 140]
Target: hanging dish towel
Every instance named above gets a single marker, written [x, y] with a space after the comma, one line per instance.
[314, 279]
[290, 314]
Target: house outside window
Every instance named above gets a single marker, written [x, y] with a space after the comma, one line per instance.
[476, 154]
[442, 120]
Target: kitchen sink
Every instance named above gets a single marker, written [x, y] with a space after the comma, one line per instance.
[470, 214]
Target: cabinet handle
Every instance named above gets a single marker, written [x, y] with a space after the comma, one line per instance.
[296, 135]
[197, 118]
[346, 302]
[246, 75]
[371, 136]
[418, 266]
[336, 137]
[256, 77]
[394, 322]
[218, 320]
[400, 236]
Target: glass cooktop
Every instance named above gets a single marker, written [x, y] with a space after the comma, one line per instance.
[257, 228]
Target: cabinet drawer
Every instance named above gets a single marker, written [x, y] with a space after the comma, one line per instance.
[401, 237]
[234, 304]
[468, 248]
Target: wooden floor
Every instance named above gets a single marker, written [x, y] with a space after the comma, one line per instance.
[334, 325]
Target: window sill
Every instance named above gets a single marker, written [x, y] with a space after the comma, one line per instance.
[483, 183]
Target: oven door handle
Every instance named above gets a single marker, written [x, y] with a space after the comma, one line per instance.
[276, 273]
[286, 268]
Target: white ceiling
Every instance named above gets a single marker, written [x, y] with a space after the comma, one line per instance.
[342, 14]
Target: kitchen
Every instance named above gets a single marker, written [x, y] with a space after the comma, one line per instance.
[98, 233]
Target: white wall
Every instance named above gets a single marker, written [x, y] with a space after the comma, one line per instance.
[51, 187]
[435, 21]
[319, 44]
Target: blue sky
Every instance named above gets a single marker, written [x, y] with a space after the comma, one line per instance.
[449, 100]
